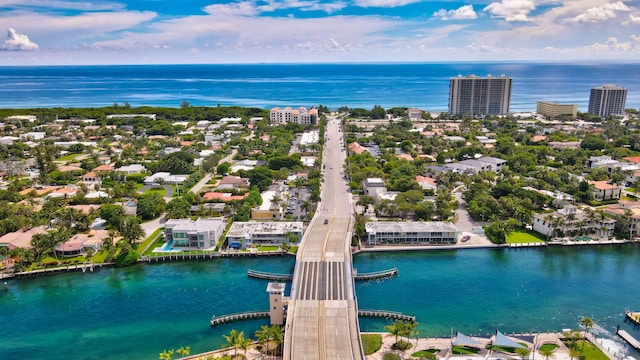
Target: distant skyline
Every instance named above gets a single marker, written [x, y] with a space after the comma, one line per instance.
[66, 32]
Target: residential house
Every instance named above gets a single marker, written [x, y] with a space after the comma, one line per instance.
[91, 178]
[602, 191]
[132, 169]
[80, 244]
[630, 211]
[233, 182]
[20, 238]
[268, 210]
[427, 183]
[356, 148]
[573, 221]
[242, 235]
[373, 187]
[202, 233]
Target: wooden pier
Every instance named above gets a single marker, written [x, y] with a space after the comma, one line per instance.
[377, 275]
[217, 320]
[76, 267]
[387, 315]
[628, 338]
[634, 317]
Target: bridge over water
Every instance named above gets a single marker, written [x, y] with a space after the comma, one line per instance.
[322, 317]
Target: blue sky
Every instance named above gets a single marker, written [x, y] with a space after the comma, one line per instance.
[58, 32]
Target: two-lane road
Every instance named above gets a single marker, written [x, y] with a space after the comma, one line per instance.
[322, 318]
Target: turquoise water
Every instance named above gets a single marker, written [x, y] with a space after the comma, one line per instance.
[139, 311]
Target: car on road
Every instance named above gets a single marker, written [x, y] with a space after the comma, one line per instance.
[326, 221]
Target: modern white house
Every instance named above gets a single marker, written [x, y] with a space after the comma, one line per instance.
[189, 234]
[411, 232]
[573, 221]
[246, 234]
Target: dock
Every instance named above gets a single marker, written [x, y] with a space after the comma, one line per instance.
[634, 317]
[386, 315]
[629, 339]
[217, 320]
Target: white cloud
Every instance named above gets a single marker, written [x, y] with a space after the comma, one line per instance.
[601, 13]
[62, 4]
[462, 13]
[511, 10]
[632, 20]
[384, 3]
[18, 42]
[244, 8]
[614, 44]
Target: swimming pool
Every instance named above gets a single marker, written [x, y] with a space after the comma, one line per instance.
[167, 247]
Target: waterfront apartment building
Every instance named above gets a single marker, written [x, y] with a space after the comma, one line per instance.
[302, 116]
[607, 100]
[411, 232]
[553, 110]
[246, 234]
[477, 96]
[199, 234]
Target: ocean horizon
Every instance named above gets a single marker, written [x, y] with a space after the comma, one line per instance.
[421, 85]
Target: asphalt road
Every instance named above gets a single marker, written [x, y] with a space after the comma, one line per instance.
[322, 312]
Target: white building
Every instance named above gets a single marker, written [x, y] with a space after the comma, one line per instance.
[131, 116]
[373, 187]
[132, 169]
[572, 221]
[198, 234]
[165, 178]
[302, 116]
[247, 234]
[411, 232]
[33, 135]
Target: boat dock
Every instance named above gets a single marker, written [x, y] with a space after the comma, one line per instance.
[634, 317]
[76, 267]
[628, 338]
[217, 320]
[387, 315]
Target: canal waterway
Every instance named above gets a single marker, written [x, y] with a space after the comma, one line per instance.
[141, 310]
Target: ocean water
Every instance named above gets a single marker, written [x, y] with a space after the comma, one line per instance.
[422, 85]
[139, 311]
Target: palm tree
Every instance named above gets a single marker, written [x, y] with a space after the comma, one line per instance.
[396, 329]
[263, 335]
[547, 352]
[523, 352]
[244, 344]
[277, 336]
[587, 322]
[574, 353]
[234, 339]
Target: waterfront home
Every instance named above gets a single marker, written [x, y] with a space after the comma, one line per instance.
[630, 211]
[246, 234]
[573, 221]
[410, 232]
[187, 234]
[20, 238]
[80, 244]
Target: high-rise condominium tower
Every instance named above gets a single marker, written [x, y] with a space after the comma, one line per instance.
[607, 100]
[473, 95]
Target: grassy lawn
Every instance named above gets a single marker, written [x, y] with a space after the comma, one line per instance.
[148, 241]
[100, 257]
[464, 350]
[591, 352]
[371, 343]
[162, 191]
[157, 242]
[268, 248]
[417, 354]
[69, 157]
[293, 250]
[520, 237]
[549, 346]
